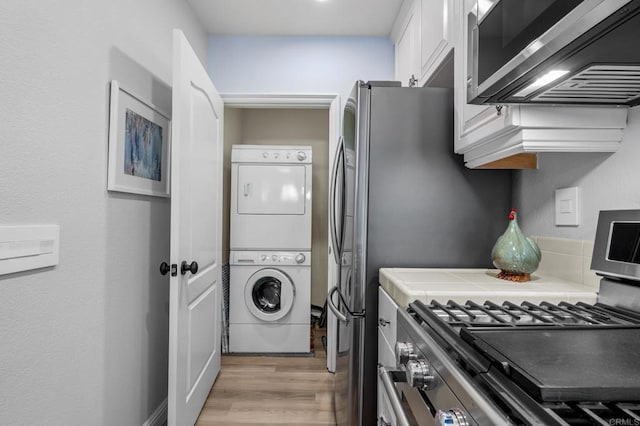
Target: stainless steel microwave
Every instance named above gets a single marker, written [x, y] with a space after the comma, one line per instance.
[554, 52]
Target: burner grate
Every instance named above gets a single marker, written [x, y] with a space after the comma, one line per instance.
[509, 314]
[597, 413]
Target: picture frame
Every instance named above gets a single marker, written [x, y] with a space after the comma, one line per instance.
[139, 145]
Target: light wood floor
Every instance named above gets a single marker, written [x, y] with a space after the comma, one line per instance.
[267, 390]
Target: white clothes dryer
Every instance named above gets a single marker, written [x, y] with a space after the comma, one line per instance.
[270, 302]
[270, 197]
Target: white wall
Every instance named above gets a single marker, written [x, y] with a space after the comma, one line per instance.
[281, 64]
[83, 343]
[606, 182]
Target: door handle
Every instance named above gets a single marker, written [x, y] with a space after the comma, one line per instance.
[165, 268]
[336, 311]
[189, 267]
[247, 189]
[388, 378]
[332, 214]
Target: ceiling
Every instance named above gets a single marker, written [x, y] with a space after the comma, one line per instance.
[297, 17]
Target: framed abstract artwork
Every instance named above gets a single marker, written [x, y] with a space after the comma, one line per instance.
[139, 145]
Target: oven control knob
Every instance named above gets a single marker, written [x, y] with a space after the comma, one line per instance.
[405, 352]
[418, 374]
[300, 258]
[453, 417]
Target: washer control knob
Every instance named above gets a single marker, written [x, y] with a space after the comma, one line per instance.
[263, 257]
[265, 154]
[418, 374]
[301, 156]
[405, 352]
[276, 155]
[300, 258]
[453, 417]
[274, 258]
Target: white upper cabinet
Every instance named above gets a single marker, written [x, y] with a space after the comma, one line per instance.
[436, 37]
[423, 38]
[406, 36]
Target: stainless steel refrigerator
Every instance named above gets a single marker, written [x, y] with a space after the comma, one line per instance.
[400, 198]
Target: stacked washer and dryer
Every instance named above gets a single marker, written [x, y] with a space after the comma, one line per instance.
[270, 244]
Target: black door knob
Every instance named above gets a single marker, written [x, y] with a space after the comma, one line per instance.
[190, 267]
[164, 268]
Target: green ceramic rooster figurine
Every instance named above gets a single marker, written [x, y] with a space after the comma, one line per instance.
[515, 255]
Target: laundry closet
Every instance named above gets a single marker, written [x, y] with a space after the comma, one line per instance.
[295, 141]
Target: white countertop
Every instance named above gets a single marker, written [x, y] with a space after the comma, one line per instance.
[406, 285]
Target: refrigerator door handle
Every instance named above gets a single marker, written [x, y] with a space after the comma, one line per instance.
[337, 249]
[336, 311]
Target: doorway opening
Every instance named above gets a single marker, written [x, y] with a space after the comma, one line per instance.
[268, 119]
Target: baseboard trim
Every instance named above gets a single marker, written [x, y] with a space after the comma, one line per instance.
[159, 416]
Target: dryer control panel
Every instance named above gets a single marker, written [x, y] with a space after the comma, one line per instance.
[271, 154]
[288, 258]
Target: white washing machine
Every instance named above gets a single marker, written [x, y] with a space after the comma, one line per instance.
[270, 301]
[270, 197]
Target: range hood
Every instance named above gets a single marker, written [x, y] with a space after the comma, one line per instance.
[590, 56]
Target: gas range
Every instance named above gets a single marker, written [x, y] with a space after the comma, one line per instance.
[494, 364]
[500, 363]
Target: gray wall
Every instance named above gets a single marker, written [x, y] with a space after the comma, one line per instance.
[288, 127]
[84, 342]
[606, 181]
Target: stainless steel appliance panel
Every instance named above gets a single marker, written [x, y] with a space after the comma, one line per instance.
[616, 254]
[415, 205]
[549, 51]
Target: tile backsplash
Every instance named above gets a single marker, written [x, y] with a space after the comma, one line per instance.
[567, 259]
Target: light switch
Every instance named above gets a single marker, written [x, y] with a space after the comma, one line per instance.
[567, 207]
[24, 247]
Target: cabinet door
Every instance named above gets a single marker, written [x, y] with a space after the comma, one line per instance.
[387, 313]
[470, 118]
[407, 46]
[435, 40]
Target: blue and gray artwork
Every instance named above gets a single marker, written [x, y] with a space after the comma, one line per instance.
[142, 147]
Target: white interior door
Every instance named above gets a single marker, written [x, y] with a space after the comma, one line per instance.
[196, 235]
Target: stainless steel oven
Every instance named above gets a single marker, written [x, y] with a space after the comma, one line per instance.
[553, 51]
[420, 386]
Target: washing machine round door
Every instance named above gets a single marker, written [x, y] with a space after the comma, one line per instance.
[269, 294]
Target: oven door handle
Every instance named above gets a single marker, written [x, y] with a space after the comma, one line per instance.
[389, 377]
